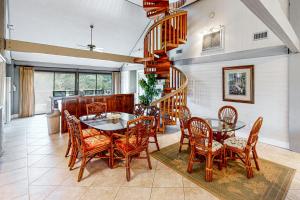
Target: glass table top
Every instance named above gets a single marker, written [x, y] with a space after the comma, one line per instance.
[111, 121]
[221, 126]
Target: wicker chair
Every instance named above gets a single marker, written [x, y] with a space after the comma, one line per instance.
[86, 133]
[155, 112]
[139, 109]
[134, 142]
[229, 115]
[88, 147]
[243, 147]
[96, 108]
[202, 143]
[184, 116]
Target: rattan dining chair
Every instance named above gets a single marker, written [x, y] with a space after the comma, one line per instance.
[96, 108]
[86, 133]
[202, 143]
[155, 112]
[134, 142]
[88, 147]
[184, 116]
[229, 115]
[243, 147]
[139, 109]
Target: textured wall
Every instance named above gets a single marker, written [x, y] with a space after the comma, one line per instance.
[271, 95]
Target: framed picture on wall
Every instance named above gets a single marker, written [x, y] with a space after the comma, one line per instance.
[213, 41]
[238, 84]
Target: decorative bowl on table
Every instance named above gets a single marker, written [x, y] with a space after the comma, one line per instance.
[113, 115]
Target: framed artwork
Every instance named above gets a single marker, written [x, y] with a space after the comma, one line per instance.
[213, 41]
[238, 84]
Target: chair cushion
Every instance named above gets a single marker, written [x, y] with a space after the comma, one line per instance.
[239, 143]
[121, 144]
[90, 132]
[97, 141]
[215, 145]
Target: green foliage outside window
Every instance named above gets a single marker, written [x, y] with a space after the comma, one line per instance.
[64, 82]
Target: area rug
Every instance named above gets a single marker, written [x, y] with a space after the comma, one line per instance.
[270, 183]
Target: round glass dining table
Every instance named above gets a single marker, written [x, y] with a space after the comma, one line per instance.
[221, 128]
[110, 122]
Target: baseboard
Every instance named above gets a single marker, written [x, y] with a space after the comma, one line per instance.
[277, 143]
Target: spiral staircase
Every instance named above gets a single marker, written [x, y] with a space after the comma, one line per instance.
[168, 32]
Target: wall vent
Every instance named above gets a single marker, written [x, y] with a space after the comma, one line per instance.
[260, 35]
[179, 51]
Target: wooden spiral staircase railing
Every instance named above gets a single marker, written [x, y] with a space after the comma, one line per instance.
[168, 32]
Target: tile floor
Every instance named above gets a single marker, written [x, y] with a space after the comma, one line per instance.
[34, 167]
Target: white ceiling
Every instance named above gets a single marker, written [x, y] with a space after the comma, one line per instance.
[118, 26]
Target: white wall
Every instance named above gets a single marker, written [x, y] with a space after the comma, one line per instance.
[271, 95]
[240, 24]
[285, 6]
[128, 82]
[2, 76]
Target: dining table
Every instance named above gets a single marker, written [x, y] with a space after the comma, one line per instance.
[109, 122]
[222, 128]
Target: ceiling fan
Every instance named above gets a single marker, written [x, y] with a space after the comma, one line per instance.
[91, 46]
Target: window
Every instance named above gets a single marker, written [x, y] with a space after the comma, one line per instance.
[104, 84]
[95, 84]
[64, 84]
[87, 83]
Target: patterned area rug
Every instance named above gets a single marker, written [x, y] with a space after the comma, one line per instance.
[270, 183]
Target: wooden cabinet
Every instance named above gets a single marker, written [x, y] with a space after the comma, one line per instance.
[77, 105]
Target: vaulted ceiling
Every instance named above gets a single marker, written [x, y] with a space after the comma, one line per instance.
[118, 26]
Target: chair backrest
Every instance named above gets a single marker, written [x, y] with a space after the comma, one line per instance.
[155, 112]
[138, 131]
[96, 108]
[67, 116]
[184, 116]
[139, 109]
[253, 137]
[228, 114]
[201, 134]
[77, 131]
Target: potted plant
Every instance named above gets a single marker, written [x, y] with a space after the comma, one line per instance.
[150, 90]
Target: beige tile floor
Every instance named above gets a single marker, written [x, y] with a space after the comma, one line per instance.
[34, 167]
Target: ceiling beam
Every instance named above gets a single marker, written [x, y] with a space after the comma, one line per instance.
[29, 47]
[271, 13]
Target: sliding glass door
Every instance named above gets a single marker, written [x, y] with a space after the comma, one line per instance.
[43, 87]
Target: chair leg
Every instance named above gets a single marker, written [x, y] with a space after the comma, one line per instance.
[248, 166]
[208, 169]
[181, 142]
[156, 142]
[68, 148]
[148, 159]
[225, 156]
[221, 161]
[255, 157]
[73, 158]
[83, 163]
[127, 164]
[191, 162]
